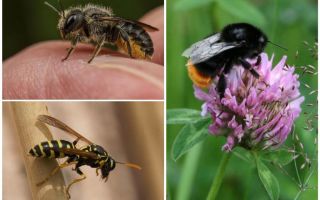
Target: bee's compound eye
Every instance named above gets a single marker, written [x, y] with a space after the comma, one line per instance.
[70, 21]
[73, 22]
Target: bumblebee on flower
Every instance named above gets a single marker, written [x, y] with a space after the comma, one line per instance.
[258, 112]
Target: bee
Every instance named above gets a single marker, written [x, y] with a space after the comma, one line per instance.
[217, 54]
[98, 25]
[92, 154]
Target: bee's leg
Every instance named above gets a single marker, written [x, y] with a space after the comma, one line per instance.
[222, 84]
[83, 176]
[97, 171]
[126, 38]
[258, 61]
[97, 48]
[55, 170]
[74, 42]
[248, 66]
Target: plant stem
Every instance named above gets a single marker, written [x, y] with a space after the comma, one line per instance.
[30, 132]
[188, 172]
[219, 176]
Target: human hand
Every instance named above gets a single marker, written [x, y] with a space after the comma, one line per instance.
[38, 72]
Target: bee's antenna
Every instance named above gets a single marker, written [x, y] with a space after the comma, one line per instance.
[134, 166]
[61, 7]
[52, 7]
[278, 45]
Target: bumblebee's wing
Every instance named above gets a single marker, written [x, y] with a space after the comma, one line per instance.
[78, 152]
[194, 47]
[207, 48]
[60, 125]
[147, 27]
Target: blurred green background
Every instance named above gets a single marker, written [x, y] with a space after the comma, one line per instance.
[27, 22]
[286, 22]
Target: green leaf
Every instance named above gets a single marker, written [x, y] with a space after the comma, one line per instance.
[268, 180]
[281, 156]
[189, 136]
[243, 11]
[191, 4]
[183, 116]
[244, 155]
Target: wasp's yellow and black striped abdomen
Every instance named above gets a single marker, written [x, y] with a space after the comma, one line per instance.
[51, 149]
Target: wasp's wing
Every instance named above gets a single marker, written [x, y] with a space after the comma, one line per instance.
[60, 125]
[78, 152]
[147, 27]
[207, 48]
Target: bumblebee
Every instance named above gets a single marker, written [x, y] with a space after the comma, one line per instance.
[98, 25]
[92, 155]
[217, 54]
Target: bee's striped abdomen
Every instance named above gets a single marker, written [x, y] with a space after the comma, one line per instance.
[50, 149]
[140, 41]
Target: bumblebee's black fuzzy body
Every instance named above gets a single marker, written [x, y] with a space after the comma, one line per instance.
[235, 44]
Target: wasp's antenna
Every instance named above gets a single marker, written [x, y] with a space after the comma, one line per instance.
[134, 166]
[52, 7]
[61, 7]
[278, 45]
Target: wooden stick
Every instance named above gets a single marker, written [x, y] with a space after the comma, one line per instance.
[31, 132]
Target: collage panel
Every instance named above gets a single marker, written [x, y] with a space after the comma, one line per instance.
[105, 150]
[160, 99]
[59, 49]
[242, 108]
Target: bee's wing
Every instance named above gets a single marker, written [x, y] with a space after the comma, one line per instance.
[60, 125]
[78, 152]
[147, 27]
[196, 46]
[207, 48]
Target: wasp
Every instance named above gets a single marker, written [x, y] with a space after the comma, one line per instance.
[98, 25]
[92, 154]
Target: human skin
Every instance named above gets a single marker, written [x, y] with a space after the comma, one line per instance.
[37, 72]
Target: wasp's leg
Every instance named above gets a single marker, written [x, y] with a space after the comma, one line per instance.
[258, 61]
[248, 66]
[76, 141]
[126, 38]
[74, 42]
[106, 178]
[98, 48]
[55, 170]
[83, 176]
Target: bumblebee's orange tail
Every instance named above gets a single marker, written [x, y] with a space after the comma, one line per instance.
[197, 77]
